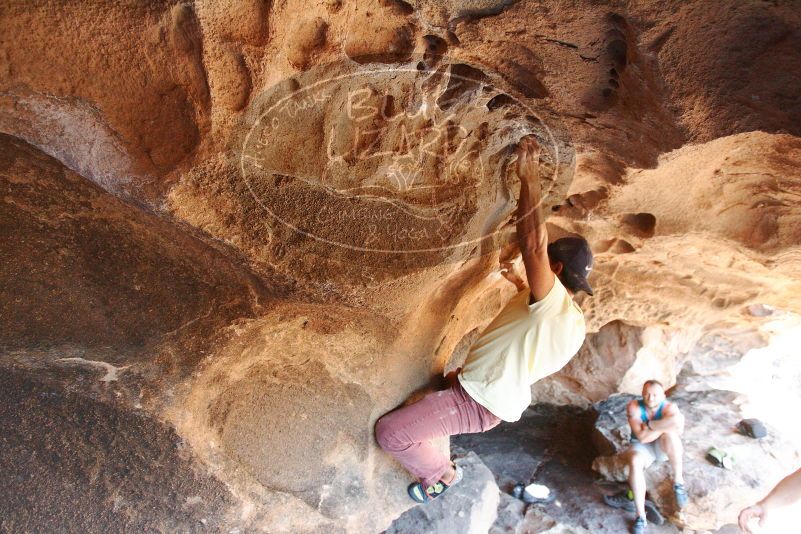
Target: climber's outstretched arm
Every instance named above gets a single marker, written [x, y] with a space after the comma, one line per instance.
[531, 232]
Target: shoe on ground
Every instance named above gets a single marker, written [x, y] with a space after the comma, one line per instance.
[639, 526]
[681, 495]
[520, 492]
[625, 501]
[422, 495]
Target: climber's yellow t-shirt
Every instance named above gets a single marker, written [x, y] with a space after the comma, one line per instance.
[525, 342]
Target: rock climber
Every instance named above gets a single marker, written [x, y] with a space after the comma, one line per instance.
[786, 493]
[656, 428]
[535, 335]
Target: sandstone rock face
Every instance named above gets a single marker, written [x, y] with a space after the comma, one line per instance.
[146, 96]
[619, 358]
[285, 419]
[596, 371]
[94, 465]
[98, 273]
[245, 230]
[754, 242]
[743, 90]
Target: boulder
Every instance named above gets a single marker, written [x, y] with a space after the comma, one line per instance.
[611, 433]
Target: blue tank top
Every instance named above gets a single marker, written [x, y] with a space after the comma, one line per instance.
[644, 415]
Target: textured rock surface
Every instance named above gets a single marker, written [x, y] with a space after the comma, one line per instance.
[96, 272]
[95, 467]
[262, 291]
[620, 357]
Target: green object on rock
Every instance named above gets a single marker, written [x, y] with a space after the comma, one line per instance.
[720, 458]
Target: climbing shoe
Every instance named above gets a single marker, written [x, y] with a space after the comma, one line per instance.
[625, 501]
[639, 526]
[421, 494]
[681, 495]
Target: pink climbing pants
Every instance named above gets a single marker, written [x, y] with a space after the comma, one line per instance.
[406, 433]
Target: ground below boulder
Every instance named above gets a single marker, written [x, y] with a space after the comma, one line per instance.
[716, 494]
[550, 445]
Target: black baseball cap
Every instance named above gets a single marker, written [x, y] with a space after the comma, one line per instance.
[576, 257]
